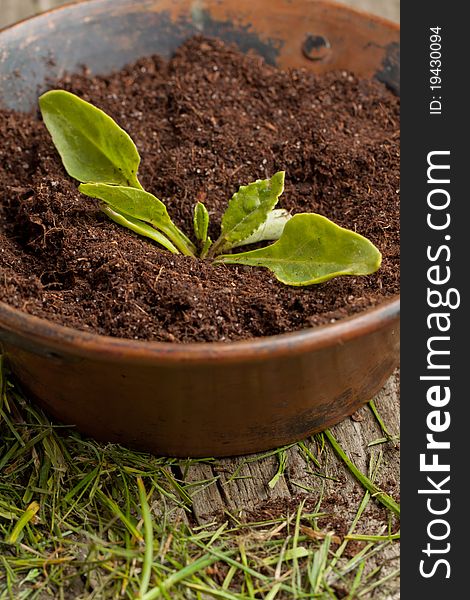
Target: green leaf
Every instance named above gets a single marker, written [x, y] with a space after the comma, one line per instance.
[248, 210]
[270, 230]
[201, 222]
[139, 227]
[205, 248]
[140, 205]
[25, 518]
[312, 249]
[92, 146]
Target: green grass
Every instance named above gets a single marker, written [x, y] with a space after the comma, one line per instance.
[84, 520]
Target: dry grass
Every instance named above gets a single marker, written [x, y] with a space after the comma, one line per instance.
[84, 520]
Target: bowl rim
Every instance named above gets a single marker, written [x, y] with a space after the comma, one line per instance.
[73, 4]
[38, 332]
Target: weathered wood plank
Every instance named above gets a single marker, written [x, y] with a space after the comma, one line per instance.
[243, 482]
[241, 485]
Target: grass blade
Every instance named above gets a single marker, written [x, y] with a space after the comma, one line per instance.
[25, 518]
[377, 493]
[148, 538]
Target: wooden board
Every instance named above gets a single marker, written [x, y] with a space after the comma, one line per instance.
[240, 486]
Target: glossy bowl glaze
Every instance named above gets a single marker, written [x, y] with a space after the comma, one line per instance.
[207, 399]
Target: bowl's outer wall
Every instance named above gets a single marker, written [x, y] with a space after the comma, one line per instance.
[215, 404]
[242, 398]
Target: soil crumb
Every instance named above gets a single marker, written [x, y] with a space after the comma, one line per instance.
[205, 122]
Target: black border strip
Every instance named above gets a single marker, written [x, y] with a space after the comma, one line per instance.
[434, 568]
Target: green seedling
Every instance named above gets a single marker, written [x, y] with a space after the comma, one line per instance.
[307, 249]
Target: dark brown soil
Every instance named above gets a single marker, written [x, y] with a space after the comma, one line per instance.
[205, 122]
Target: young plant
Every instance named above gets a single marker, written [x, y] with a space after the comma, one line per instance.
[104, 159]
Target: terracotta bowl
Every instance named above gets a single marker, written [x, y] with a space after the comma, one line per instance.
[207, 399]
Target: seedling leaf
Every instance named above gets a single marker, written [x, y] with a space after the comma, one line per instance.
[139, 227]
[142, 206]
[201, 222]
[102, 156]
[91, 144]
[312, 249]
[248, 210]
[270, 230]
[206, 247]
